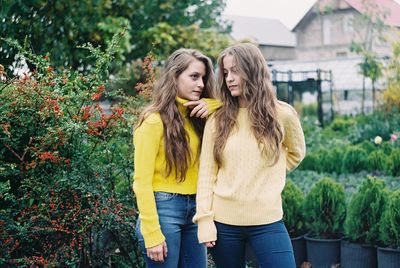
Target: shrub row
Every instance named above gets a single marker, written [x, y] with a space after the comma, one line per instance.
[355, 158]
[371, 216]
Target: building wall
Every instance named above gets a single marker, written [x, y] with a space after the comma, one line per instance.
[278, 53]
[329, 35]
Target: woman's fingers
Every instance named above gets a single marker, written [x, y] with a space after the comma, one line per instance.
[165, 249]
[209, 244]
[199, 108]
[158, 252]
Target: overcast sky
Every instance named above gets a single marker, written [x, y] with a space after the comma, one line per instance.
[289, 12]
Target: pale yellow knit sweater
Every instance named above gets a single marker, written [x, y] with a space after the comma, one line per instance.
[246, 190]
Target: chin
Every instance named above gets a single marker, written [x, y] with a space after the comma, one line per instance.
[235, 94]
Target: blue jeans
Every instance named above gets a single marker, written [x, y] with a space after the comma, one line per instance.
[175, 213]
[270, 244]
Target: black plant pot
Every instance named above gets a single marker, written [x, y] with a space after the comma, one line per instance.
[323, 253]
[388, 258]
[353, 255]
[299, 250]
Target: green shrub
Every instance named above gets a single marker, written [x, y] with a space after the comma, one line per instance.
[377, 161]
[390, 222]
[292, 202]
[341, 124]
[325, 209]
[309, 110]
[368, 146]
[310, 162]
[394, 163]
[329, 160]
[364, 212]
[61, 160]
[354, 160]
[376, 124]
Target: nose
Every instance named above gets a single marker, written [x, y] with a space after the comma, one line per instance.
[200, 83]
[229, 77]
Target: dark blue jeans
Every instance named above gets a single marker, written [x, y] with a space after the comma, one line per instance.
[270, 243]
[175, 213]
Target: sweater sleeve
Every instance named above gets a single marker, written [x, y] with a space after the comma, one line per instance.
[212, 104]
[207, 176]
[293, 139]
[147, 138]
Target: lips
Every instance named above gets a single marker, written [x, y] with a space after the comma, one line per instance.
[232, 87]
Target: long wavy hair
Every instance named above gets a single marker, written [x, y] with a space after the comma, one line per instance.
[177, 150]
[257, 92]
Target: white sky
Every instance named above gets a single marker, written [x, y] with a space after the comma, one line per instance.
[289, 12]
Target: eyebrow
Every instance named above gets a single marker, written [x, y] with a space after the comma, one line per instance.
[234, 66]
[194, 72]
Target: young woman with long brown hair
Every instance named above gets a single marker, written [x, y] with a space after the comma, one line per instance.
[248, 145]
[167, 144]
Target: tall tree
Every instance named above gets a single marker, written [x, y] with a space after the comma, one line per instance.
[58, 27]
[372, 25]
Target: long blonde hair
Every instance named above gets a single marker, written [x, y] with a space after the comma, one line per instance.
[257, 92]
[177, 150]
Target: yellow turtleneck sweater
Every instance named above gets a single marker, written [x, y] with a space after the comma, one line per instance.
[246, 190]
[150, 166]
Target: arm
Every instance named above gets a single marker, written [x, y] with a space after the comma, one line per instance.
[207, 176]
[212, 104]
[293, 139]
[147, 140]
[203, 107]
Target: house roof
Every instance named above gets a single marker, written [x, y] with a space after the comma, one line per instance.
[393, 9]
[261, 30]
[389, 6]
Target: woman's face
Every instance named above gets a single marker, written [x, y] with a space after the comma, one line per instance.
[232, 79]
[190, 82]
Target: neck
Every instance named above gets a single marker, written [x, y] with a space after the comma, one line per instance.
[242, 102]
[182, 109]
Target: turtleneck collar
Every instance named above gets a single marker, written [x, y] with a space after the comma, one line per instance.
[182, 109]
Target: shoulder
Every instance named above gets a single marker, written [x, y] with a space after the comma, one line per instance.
[285, 111]
[151, 122]
[210, 123]
[152, 119]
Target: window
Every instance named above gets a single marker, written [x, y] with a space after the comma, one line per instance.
[347, 23]
[341, 54]
[326, 31]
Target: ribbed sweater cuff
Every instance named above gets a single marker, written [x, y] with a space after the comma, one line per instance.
[207, 231]
[153, 239]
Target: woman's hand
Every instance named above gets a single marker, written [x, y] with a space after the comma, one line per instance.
[158, 253]
[199, 108]
[209, 244]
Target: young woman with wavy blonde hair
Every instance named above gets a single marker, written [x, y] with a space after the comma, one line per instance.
[167, 142]
[248, 145]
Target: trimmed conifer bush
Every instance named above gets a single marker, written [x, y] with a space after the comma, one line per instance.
[355, 159]
[309, 162]
[292, 201]
[365, 211]
[325, 209]
[389, 225]
[377, 161]
[329, 160]
[394, 163]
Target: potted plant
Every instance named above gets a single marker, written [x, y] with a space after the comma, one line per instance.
[292, 202]
[325, 211]
[389, 233]
[361, 227]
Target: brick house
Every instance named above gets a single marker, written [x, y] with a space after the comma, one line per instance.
[327, 30]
